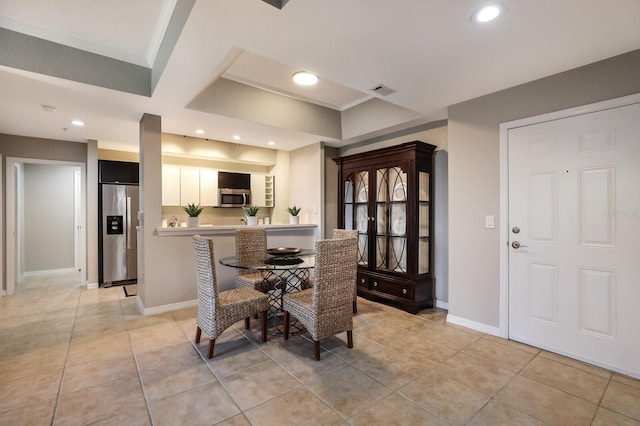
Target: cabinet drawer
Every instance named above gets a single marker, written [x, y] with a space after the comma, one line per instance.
[392, 288]
[363, 281]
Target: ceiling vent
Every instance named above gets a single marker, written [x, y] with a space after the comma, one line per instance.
[276, 3]
[383, 90]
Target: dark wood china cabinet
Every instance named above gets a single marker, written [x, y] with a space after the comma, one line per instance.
[386, 195]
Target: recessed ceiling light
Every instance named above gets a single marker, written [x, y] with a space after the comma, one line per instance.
[200, 131]
[271, 143]
[236, 137]
[78, 123]
[488, 13]
[304, 78]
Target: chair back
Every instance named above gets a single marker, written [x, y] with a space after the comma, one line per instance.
[340, 234]
[205, 275]
[251, 246]
[335, 274]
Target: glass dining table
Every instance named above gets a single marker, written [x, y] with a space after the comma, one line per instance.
[289, 272]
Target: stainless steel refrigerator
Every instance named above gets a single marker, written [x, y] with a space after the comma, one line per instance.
[119, 246]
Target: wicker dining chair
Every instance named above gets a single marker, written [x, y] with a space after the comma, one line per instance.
[326, 308]
[218, 310]
[251, 246]
[339, 234]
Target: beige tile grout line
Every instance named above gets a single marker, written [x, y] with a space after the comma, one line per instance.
[66, 357]
[135, 358]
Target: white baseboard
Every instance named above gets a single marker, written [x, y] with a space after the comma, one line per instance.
[484, 328]
[92, 286]
[164, 308]
[442, 305]
[48, 272]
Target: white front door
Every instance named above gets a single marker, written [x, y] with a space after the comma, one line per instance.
[574, 208]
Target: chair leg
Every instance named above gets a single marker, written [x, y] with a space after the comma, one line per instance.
[349, 338]
[198, 334]
[264, 326]
[286, 325]
[355, 307]
[246, 323]
[316, 350]
[212, 344]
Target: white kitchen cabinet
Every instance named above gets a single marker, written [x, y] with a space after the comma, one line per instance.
[208, 187]
[258, 190]
[185, 185]
[189, 186]
[262, 190]
[170, 185]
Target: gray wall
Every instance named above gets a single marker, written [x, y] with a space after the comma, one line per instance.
[441, 224]
[48, 217]
[47, 149]
[474, 173]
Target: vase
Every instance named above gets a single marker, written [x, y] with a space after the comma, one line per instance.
[252, 220]
[294, 220]
[193, 222]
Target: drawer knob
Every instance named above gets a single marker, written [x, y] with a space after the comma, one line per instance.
[404, 291]
[375, 284]
[362, 280]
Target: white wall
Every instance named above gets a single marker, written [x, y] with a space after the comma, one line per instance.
[305, 185]
[282, 174]
[20, 252]
[474, 174]
[48, 217]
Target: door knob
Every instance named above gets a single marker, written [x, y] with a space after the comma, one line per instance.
[516, 245]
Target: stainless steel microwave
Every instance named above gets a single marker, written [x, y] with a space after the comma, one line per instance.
[228, 197]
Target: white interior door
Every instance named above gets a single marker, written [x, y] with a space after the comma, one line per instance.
[574, 208]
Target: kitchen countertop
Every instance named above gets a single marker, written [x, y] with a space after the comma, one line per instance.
[228, 229]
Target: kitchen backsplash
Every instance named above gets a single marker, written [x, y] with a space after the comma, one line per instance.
[213, 216]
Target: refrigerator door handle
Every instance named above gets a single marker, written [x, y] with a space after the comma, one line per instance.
[128, 216]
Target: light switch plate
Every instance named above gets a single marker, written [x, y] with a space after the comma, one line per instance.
[489, 222]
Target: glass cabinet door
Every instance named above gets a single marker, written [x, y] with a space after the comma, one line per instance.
[356, 211]
[423, 222]
[391, 220]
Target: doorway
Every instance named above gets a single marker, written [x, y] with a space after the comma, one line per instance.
[571, 234]
[45, 219]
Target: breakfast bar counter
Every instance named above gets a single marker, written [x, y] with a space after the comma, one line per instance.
[231, 229]
[172, 252]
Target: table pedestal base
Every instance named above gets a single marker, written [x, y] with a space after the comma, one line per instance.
[287, 280]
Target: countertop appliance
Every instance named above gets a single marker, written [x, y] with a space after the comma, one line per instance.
[228, 197]
[118, 217]
[234, 189]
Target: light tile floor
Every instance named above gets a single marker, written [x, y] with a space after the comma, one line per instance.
[70, 356]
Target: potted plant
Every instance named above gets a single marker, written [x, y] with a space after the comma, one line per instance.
[251, 212]
[193, 210]
[293, 211]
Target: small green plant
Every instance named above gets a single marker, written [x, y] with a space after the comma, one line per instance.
[193, 210]
[251, 210]
[293, 211]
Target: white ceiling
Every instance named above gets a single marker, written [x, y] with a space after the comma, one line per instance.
[426, 50]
